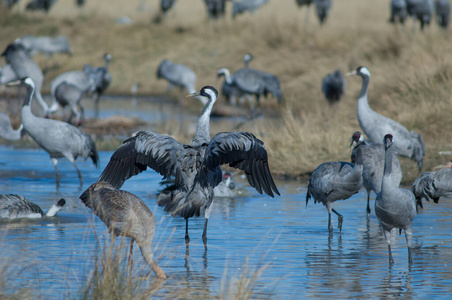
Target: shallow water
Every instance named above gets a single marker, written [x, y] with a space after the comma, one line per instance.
[280, 236]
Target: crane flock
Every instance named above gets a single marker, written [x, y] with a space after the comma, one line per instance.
[194, 169]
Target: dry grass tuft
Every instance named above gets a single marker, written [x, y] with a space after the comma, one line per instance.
[411, 71]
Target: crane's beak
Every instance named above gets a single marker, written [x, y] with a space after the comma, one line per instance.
[14, 83]
[351, 73]
[195, 94]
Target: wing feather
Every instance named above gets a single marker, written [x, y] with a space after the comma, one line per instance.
[145, 149]
[242, 150]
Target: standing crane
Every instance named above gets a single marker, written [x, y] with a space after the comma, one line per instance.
[333, 86]
[195, 166]
[102, 79]
[332, 181]
[398, 11]
[322, 8]
[372, 156]
[177, 75]
[215, 8]
[442, 10]
[59, 139]
[306, 3]
[46, 44]
[376, 126]
[395, 207]
[17, 56]
[76, 83]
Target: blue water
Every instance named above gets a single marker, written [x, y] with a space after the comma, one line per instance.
[280, 237]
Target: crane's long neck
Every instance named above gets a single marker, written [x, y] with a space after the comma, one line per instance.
[203, 130]
[363, 104]
[41, 102]
[107, 62]
[387, 171]
[26, 106]
[227, 76]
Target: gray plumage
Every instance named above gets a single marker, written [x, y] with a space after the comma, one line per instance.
[230, 90]
[124, 214]
[14, 206]
[67, 94]
[442, 10]
[44, 5]
[6, 130]
[246, 60]
[17, 56]
[322, 8]
[306, 3]
[375, 126]
[166, 5]
[372, 156]
[433, 185]
[333, 86]
[255, 82]
[303, 2]
[46, 45]
[395, 207]
[9, 3]
[226, 188]
[177, 75]
[332, 181]
[195, 166]
[215, 8]
[398, 11]
[78, 79]
[7, 74]
[102, 79]
[59, 139]
[421, 10]
[240, 7]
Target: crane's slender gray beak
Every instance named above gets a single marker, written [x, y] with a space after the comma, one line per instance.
[351, 73]
[193, 95]
[14, 83]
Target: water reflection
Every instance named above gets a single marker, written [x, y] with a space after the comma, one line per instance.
[55, 256]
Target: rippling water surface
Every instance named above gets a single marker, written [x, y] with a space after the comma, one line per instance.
[280, 237]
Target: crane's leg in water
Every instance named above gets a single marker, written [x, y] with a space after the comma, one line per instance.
[340, 218]
[129, 261]
[206, 216]
[368, 205]
[187, 238]
[55, 163]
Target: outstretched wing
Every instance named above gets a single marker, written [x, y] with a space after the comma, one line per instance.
[242, 150]
[145, 149]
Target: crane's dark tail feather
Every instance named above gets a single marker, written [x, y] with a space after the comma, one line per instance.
[178, 203]
[94, 155]
[308, 196]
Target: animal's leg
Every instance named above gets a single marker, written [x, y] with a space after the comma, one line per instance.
[340, 218]
[55, 163]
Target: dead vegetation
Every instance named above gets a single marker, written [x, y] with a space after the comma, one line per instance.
[411, 71]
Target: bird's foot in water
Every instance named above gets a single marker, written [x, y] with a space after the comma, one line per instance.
[340, 220]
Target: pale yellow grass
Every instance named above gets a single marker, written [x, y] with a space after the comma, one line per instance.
[411, 71]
